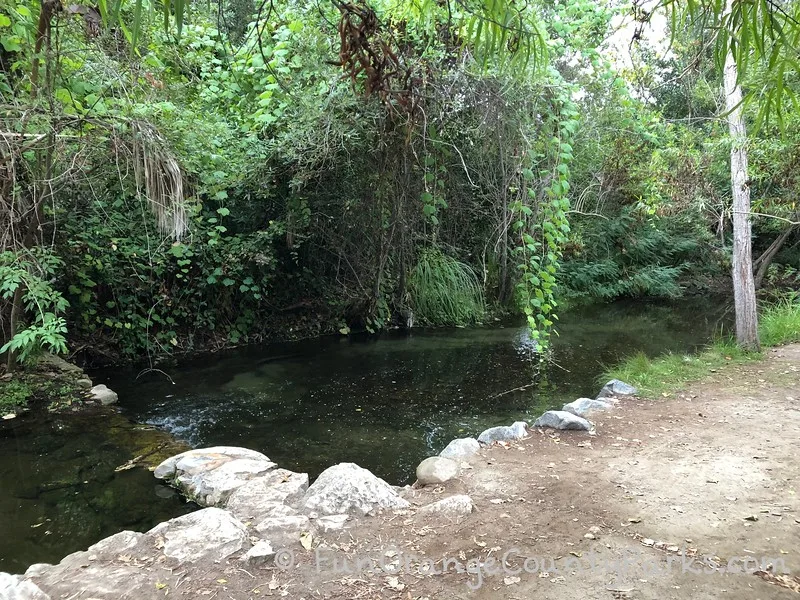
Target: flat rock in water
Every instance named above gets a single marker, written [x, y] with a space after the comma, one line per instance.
[208, 534]
[452, 507]
[504, 433]
[583, 406]
[103, 395]
[16, 587]
[461, 448]
[209, 476]
[347, 488]
[559, 419]
[617, 389]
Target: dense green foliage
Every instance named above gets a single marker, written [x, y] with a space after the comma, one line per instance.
[243, 173]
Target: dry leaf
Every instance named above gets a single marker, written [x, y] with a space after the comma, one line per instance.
[306, 539]
[511, 580]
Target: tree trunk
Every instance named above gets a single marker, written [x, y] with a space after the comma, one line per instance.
[744, 291]
[763, 262]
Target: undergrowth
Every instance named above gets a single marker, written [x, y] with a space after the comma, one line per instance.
[445, 291]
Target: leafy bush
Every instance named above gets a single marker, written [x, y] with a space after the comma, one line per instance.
[634, 255]
[445, 291]
[26, 277]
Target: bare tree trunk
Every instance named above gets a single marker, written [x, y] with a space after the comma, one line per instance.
[744, 291]
[762, 263]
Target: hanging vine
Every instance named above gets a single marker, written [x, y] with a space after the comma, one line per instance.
[541, 221]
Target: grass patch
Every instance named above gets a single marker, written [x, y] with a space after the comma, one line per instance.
[778, 324]
[14, 395]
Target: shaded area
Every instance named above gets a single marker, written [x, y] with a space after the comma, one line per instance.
[60, 492]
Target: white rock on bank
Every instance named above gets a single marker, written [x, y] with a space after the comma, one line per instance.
[504, 433]
[16, 587]
[258, 554]
[559, 419]
[617, 389]
[102, 394]
[347, 488]
[583, 406]
[259, 497]
[452, 507]
[208, 534]
[331, 523]
[437, 469]
[284, 531]
[210, 475]
[461, 448]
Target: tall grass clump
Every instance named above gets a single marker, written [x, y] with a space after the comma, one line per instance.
[444, 291]
[668, 372]
[780, 323]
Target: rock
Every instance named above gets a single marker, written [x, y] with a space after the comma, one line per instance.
[258, 554]
[9, 416]
[461, 448]
[284, 531]
[616, 389]
[583, 406]
[209, 476]
[119, 543]
[38, 569]
[15, 587]
[85, 383]
[559, 419]
[103, 395]
[208, 534]
[331, 523]
[262, 497]
[437, 469]
[348, 488]
[517, 431]
[452, 507]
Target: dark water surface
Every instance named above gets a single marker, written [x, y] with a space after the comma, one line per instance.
[384, 403]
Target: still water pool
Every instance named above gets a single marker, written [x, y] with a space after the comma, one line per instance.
[384, 403]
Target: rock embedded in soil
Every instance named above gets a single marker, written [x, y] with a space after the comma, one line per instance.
[452, 507]
[103, 395]
[285, 530]
[583, 406]
[559, 419]
[347, 488]
[258, 554]
[209, 476]
[331, 523]
[437, 469]
[208, 534]
[265, 495]
[461, 448]
[504, 433]
[617, 389]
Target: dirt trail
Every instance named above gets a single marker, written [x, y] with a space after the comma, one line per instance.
[665, 490]
[685, 471]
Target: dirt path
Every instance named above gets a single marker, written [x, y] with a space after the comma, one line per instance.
[685, 472]
[666, 490]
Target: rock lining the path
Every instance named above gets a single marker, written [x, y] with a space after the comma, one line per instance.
[617, 389]
[559, 419]
[461, 448]
[347, 488]
[437, 469]
[583, 406]
[504, 433]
